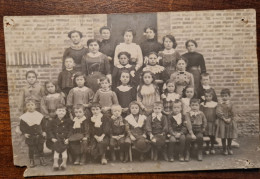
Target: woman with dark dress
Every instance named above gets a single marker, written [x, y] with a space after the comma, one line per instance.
[76, 50]
[150, 44]
[196, 62]
[107, 44]
[95, 65]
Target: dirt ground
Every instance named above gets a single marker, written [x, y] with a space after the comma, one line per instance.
[246, 156]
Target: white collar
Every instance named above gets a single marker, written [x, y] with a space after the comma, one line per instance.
[172, 96]
[78, 121]
[32, 118]
[126, 66]
[131, 120]
[225, 102]
[158, 116]
[97, 120]
[192, 113]
[155, 69]
[177, 118]
[124, 88]
[206, 87]
[211, 104]
[148, 89]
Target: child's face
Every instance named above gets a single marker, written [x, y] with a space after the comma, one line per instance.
[170, 87]
[69, 63]
[152, 59]
[93, 47]
[80, 81]
[30, 106]
[31, 78]
[75, 38]
[128, 37]
[125, 78]
[61, 112]
[117, 112]
[105, 33]
[123, 60]
[176, 108]
[208, 97]
[225, 97]
[205, 80]
[191, 47]
[95, 111]
[150, 34]
[79, 112]
[147, 78]
[50, 88]
[189, 92]
[181, 65]
[104, 84]
[195, 106]
[168, 44]
[134, 109]
[157, 109]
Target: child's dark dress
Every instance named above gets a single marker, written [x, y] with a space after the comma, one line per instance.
[177, 124]
[99, 125]
[137, 129]
[31, 123]
[157, 125]
[226, 130]
[65, 80]
[118, 128]
[60, 129]
[125, 95]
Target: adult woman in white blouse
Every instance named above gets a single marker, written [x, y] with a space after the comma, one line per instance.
[130, 47]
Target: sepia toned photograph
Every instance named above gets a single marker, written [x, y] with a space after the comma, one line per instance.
[133, 93]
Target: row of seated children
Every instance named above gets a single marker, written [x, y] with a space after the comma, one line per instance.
[93, 134]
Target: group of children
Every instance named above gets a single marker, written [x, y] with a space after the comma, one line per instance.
[155, 107]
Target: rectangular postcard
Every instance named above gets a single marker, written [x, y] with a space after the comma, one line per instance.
[130, 93]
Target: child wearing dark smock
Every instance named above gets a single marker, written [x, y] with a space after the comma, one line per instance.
[32, 127]
[117, 135]
[49, 104]
[135, 127]
[160, 73]
[169, 96]
[227, 126]
[157, 128]
[33, 90]
[205, 85]
[209, 109]
[105, 96]
[79, 135]
[177, 133]
[124, 65]
[125, 92]
[100, 133]
[59, 129]
[65, 78]
[80, 94]
[196, 124]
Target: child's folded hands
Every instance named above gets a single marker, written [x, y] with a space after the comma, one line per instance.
[27, 135]
[54, 140]
[66, 141]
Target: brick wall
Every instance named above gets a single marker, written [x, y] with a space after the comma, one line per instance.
[227, 43]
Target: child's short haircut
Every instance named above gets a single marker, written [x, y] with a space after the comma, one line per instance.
[225, 91]
[104, 28]
[209, 91]
[30, 100]
[61, 106]
[32, 72]
[116, 106]
[124, 53]
[69, 57]
[104, 79]
[78, 106]
[158, 103]
[77, 75]
[195, 100]
[204, 75]
[95, 105]
[177, 101]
